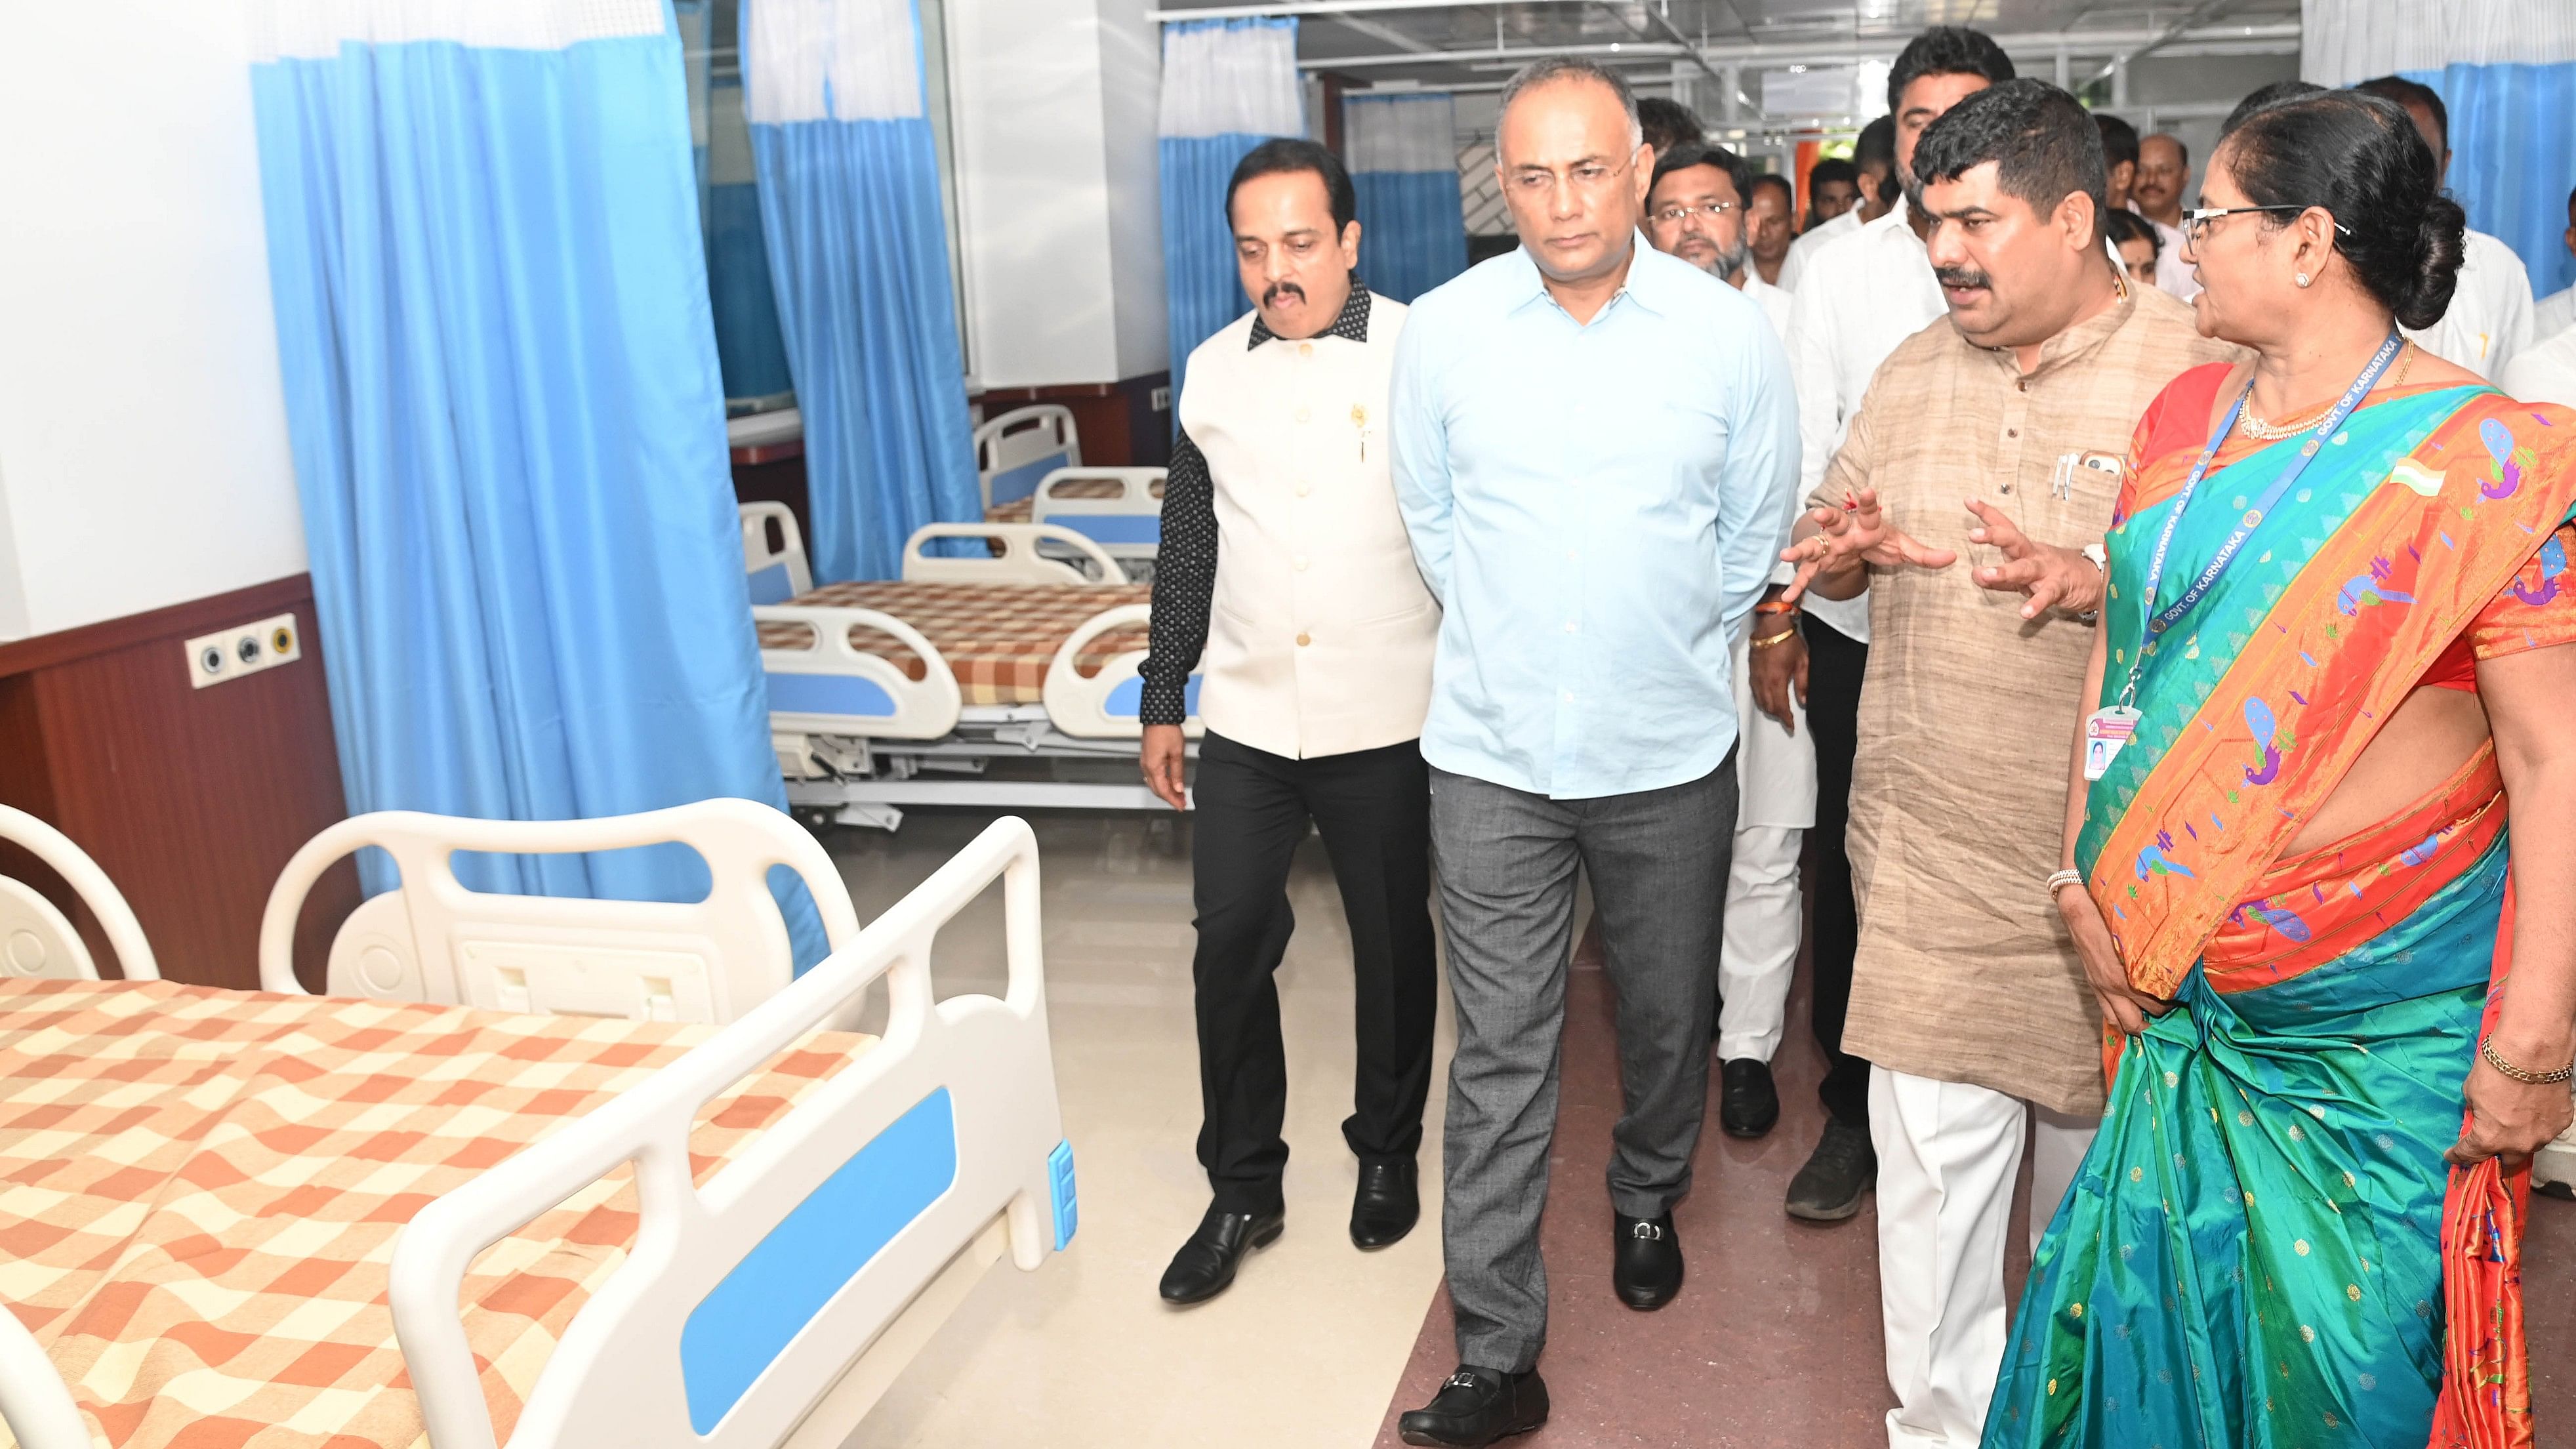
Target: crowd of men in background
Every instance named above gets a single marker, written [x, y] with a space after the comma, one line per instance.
[1416, 636]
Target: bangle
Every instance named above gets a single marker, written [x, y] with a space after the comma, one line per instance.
[1775, 606]
[2486, 1049]
[2062, 880]
[1768, 641]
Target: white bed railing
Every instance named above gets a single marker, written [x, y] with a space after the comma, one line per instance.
[831, 686]
[1019, 562]
[1128, 527]
[1106, 704]
[632, 1369]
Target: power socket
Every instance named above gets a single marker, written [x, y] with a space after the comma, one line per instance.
[247, 649]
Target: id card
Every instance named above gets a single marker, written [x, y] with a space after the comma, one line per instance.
[2106, 732]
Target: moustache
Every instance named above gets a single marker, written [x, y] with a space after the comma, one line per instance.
[1270, 295]
[1961, 277]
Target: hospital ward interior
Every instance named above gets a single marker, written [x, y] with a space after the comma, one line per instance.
[941, 724]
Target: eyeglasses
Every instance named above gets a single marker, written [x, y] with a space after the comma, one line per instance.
[2195, 222]
[1676, 215]
[1589, 176]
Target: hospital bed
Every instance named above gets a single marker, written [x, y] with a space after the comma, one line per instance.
[914, 691]
[351, 1223]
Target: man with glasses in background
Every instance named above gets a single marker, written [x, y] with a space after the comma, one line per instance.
[1694, 212]
[1596, 454]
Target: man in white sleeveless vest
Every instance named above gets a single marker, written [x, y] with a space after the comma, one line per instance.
[1285, 571]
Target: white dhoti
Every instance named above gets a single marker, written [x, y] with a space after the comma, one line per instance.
[1775, 772]
[1947, 1157]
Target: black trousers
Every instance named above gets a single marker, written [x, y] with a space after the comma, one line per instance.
[1373, 809]
[1835, 664]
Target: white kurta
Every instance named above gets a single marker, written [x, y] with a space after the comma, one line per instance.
[2174, 276]
[2544, 371]
[2553, 314]
[2490, 315]
[1812, 241]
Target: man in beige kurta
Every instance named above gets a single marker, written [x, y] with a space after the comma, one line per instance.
[1967, 996]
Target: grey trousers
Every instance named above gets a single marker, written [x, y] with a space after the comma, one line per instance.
[1506, 858]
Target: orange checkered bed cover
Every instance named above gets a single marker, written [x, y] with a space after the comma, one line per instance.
[999, 638]
[200, 1189]
[1023, 510]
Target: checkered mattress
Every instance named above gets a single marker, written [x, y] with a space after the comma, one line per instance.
[200, 1190]
[999, 638]
[1023, 510]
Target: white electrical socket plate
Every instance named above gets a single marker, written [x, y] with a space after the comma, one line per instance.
[244, 649]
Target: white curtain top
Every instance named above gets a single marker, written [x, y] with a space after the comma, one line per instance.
[1407, 131]
[2343, 41]
[316, 29]
[830, 60]
[1225, 77]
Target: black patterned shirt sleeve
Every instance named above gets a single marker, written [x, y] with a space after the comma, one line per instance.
[1184, 584]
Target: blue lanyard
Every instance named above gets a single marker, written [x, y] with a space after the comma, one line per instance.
[2158, 621]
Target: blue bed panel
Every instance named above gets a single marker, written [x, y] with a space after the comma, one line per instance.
[1060, 1185]
[771, 586]
[1013, 484]
[1125, 701]
[748, 1319]
[841, 694]
[1114, 527]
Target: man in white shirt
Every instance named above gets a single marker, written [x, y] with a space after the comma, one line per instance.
[2490, 316]
[2543, 372]
[1695, 211]
[1874, 157]
[2556, 312]
[1860, 296]
[2163, 179]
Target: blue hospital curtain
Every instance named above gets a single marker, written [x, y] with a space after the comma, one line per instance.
[1402, 148]
[1228, 85]
[501, 393]
[2506, 71]
[858, 259]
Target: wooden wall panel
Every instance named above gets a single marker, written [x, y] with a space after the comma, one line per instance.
[190, 799]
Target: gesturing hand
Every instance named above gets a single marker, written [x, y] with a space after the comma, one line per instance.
[2046, 575]
[1852, 536]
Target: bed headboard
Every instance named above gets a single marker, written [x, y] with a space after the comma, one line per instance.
[746, 1300]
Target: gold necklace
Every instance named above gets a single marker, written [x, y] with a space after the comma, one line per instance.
[2274, 432]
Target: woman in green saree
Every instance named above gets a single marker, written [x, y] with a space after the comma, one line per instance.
[2330, 660]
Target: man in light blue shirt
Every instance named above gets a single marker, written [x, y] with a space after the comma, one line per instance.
[1596, 451]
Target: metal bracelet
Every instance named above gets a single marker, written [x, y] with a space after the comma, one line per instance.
[1766, 641]
[2495, 1059]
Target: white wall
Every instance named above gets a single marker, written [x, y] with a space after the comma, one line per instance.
[143, 451]
[1058, 197]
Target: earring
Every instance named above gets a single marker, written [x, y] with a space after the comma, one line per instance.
[2303, 279]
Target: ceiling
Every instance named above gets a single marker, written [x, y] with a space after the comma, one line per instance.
[1472, 46]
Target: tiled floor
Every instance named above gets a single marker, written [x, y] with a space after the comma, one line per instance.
[1774, 1340]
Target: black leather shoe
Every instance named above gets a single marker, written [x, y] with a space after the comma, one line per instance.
[1748, 1104]
[1387, 1205]
[1477, 1406]
[1645, 1260]
[1829, 1188]
[1204, 1267]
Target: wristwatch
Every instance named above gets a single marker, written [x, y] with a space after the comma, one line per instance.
[2101, 561]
